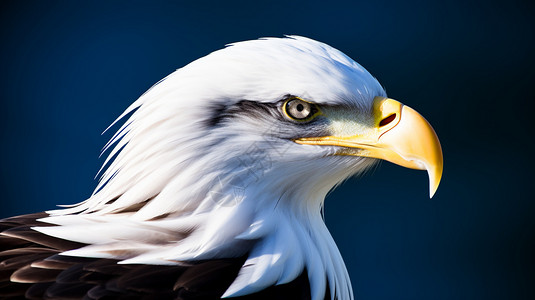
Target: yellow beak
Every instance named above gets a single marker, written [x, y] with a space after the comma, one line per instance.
[400, 135]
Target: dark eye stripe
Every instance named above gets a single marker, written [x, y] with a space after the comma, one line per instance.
[220, 113]
[301, 110]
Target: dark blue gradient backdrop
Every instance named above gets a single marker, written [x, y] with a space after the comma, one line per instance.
[68, 69]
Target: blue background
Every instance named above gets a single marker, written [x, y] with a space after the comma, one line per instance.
[68, 69]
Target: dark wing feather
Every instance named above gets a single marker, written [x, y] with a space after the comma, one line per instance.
[32, 268]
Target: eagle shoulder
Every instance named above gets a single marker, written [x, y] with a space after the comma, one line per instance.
[32, 267]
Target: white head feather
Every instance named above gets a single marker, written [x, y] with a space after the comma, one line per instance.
[180, 189]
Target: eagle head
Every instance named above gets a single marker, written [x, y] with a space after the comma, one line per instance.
[234, 154]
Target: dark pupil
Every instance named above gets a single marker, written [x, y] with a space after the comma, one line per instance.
[300, 107]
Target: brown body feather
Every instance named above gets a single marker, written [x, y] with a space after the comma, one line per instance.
[31, 267]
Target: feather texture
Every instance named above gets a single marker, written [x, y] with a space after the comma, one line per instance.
[204, 194]
[37, 271]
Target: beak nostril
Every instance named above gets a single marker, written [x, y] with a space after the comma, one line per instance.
[387, 120]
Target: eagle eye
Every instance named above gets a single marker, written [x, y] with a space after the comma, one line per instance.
[300, 110]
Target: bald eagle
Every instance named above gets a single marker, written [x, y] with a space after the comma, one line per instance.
[214, 186]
